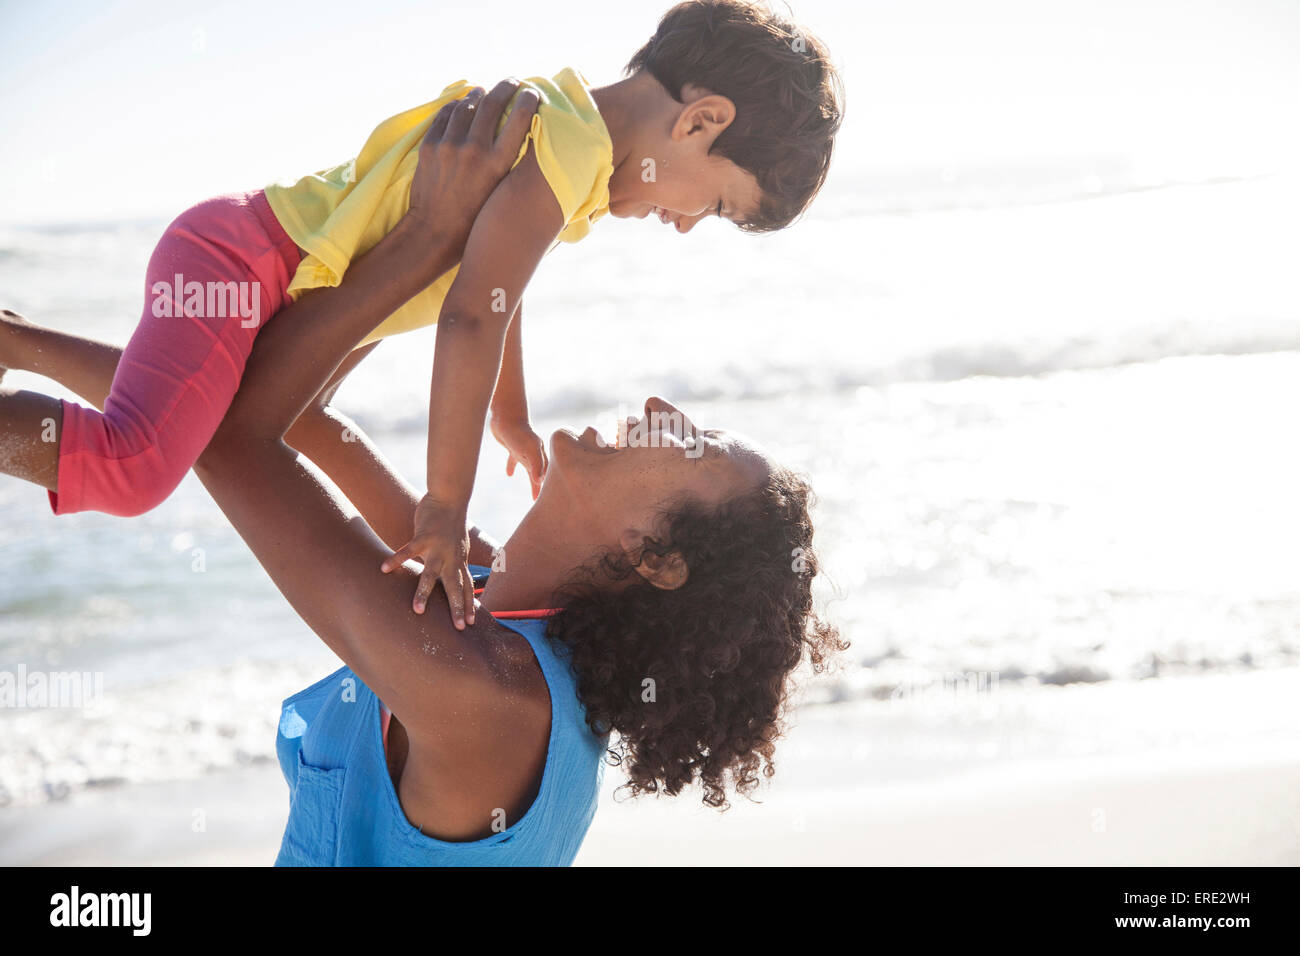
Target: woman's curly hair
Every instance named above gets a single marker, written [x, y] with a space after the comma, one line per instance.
[693, 682]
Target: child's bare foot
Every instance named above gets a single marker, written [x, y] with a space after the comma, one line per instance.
[10, 317]
[9, 322]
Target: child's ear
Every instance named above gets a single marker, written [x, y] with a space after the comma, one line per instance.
[703, 114]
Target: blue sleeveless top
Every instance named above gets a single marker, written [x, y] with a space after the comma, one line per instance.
[344, 810]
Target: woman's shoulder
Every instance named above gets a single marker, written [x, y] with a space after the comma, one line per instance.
[512, 658]
[496, 753]
[506, 685]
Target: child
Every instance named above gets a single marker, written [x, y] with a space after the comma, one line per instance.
[728, 110]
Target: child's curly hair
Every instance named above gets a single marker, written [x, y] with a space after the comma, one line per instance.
[787, 94]
[719, 650]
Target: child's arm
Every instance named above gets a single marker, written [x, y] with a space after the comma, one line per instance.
[362, 472]
[515, 228]
[509, 414]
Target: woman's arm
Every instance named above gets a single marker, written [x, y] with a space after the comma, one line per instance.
[352, 461]
[322, 432]
[362, 472]
[324, 559]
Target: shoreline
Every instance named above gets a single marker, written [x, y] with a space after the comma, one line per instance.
[1170, 771]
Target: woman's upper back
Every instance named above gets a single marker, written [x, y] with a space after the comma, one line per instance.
[345, 811]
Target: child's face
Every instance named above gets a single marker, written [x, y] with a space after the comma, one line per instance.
[671, 175]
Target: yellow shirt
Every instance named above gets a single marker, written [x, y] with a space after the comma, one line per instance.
[339, 214]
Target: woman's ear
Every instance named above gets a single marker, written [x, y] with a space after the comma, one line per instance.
[667, 572]
[703, 113]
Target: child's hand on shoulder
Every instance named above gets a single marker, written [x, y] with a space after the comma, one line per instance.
[526, 448]
[441, 543]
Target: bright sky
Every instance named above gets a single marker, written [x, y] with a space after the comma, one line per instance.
[143, 107]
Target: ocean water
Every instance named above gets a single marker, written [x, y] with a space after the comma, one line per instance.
[1037, 347]
[1048, 432]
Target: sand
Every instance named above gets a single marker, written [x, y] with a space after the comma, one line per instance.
[1175, 771]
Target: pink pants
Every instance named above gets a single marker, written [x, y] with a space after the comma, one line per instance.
[218, 274]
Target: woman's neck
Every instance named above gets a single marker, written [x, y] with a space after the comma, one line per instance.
[536, 559]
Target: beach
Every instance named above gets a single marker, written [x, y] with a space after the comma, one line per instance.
[1036, 347]
[1198, 771]
[1120, 520]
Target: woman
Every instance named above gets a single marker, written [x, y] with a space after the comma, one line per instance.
[652, 603]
